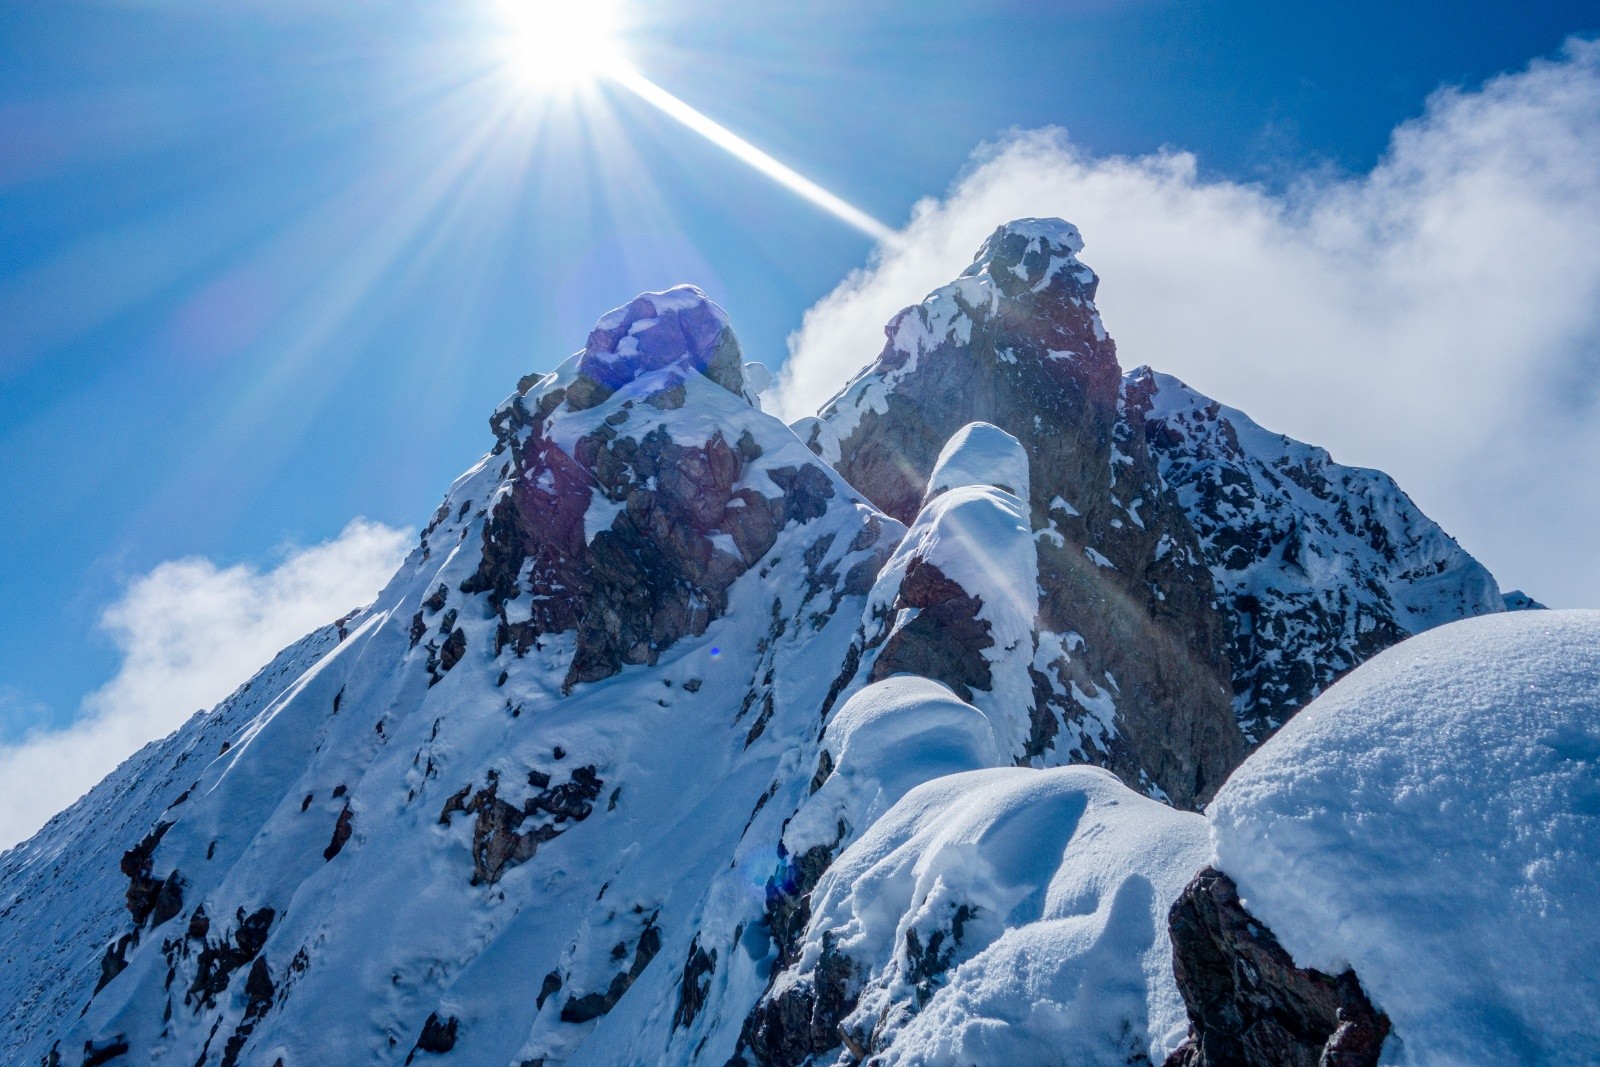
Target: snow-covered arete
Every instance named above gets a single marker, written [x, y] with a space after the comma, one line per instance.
[977, 536]
[1433, 821]
[667, 746]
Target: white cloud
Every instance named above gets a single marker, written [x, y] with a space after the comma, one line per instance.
[1438, 318]
[190, 632]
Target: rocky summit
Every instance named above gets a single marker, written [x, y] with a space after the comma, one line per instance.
[685, 736]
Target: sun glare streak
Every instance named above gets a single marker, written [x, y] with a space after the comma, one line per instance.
[563, 48]
[724, 138]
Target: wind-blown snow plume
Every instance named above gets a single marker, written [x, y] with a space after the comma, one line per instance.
[1438, 317]
[189, 632]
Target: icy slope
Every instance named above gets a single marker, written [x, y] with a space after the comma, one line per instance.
[63, 899]
[1433, 821]
[1321, 566]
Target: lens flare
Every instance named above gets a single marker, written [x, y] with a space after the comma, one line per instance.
[743, 150]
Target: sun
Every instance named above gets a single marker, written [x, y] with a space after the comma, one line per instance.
[559, 45]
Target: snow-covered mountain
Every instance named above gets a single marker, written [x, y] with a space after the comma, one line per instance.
[684, 736]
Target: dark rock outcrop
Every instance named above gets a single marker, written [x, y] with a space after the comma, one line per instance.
[682, 520]
[802, 1020]
[692, 987]
[342, 829]
[589, 1006]
[499, 840]
[218, 960]
[945, 641]
[150, 898]
[438, 1035]
[1249, 1005]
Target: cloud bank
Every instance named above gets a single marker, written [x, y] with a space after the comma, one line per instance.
[190, 632]
[1438, 317]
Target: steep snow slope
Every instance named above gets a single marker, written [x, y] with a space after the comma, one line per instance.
[64, 891]
[1001, 917]
[477, 822]
[1321, 566]
[1432, 821]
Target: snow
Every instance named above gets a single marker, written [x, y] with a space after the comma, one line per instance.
[889, 737]
[819, 436]
[1433, 821]
[1098, 558]
[1059, 881]
[981, 453]
[1055, 234]
[978, 536]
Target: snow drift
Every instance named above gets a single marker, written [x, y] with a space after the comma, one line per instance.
[1433, 822]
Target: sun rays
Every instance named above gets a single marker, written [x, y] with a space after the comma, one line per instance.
[564, 49]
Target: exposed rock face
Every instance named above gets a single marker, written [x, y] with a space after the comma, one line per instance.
[1249, 1005]
[1318, 567]
[615, 526]
[679, 327]
[1126, 603]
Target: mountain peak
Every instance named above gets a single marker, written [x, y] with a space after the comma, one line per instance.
[654, 330]
[1026, 255]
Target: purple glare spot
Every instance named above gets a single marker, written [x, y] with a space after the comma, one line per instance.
[716, 651]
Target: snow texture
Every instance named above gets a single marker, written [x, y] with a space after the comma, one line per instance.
[981, 453]
[1433, 821]
[999, 913]
[979, 537]
[621, 756]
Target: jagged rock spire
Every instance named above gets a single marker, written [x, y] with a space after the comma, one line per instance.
[1130, 653]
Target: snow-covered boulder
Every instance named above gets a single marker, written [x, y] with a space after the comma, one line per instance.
[679, 327]
[1433, 822]
[888, 738]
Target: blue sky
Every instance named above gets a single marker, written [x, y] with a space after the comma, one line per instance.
[266, 267]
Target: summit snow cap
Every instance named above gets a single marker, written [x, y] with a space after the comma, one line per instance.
[1026, 255]
[656, 330]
